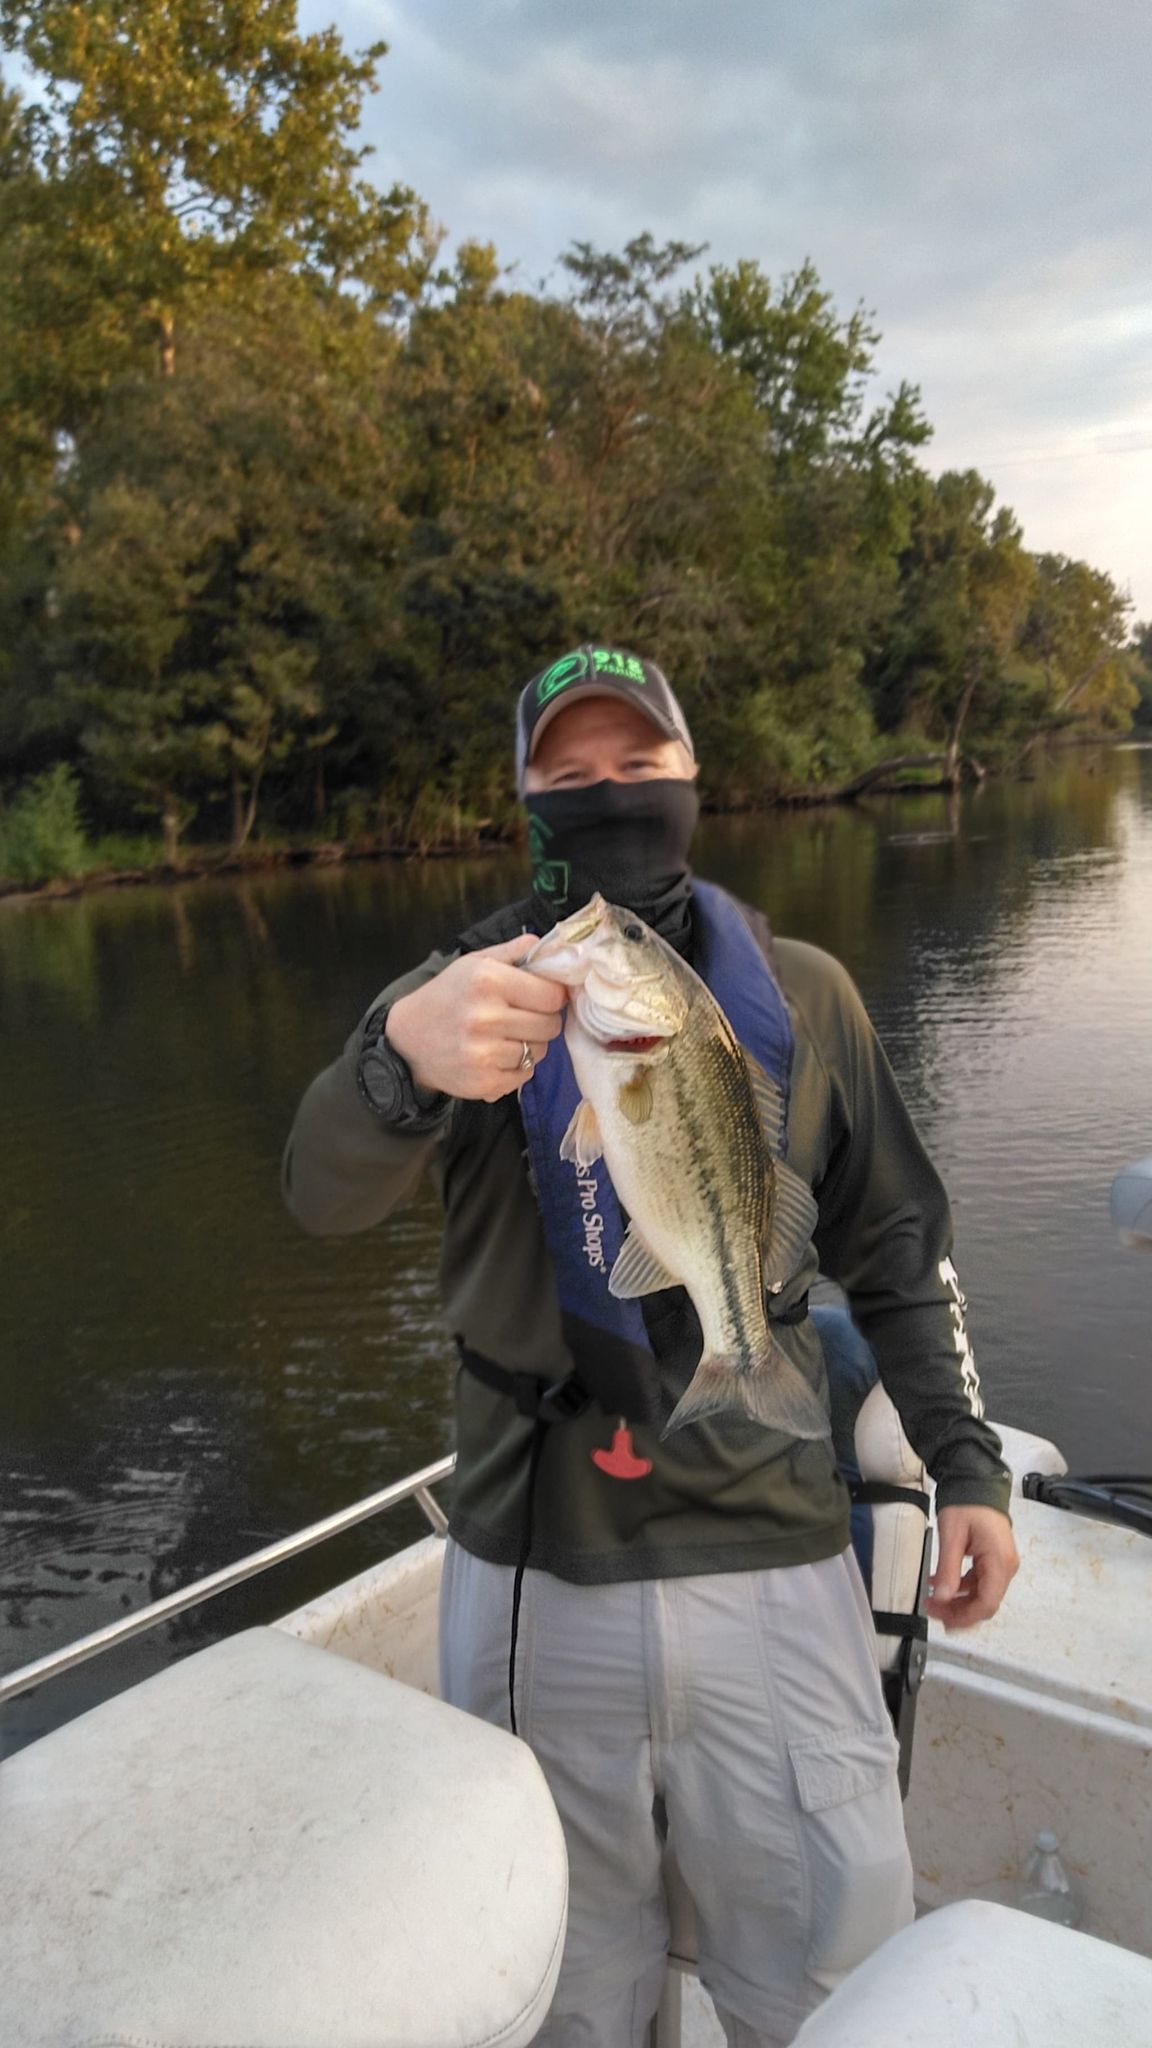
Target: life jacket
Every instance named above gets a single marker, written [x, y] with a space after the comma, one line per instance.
[625, 1352]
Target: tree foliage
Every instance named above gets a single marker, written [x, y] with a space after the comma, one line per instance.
[176, 152]
[952, 662]
[1139, 663]
[289, 508]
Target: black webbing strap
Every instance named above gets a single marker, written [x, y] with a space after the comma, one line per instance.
[911, 1626]
[536, 1398]
[877, 1493]
[787, 1317]
[902, 1682]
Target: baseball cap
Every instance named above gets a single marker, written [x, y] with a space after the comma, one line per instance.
[591, 671]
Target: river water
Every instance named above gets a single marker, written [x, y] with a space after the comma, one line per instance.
[184, 1376]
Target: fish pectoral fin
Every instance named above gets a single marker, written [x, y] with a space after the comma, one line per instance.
[771, 1391]
[792, 1219]
[636, 1097]
[582, 1143]
[638, 1271]
[769, 1100]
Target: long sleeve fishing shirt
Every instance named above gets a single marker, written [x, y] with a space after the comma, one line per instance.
[724, 1495]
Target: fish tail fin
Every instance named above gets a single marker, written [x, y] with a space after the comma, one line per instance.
[771, 1392]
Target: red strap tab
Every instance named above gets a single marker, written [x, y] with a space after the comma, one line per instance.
[621, 1462]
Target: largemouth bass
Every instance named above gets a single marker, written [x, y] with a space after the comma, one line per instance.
[691, 1131]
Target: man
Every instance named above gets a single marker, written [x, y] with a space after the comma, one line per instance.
[692, 1650]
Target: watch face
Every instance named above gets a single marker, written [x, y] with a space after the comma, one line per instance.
[382, 1083]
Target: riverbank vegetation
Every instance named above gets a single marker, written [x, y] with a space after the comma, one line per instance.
[290, 506]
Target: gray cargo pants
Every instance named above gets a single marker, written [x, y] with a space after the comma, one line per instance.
[744, 1710]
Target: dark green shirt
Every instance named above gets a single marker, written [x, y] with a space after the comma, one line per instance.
[725, 1495]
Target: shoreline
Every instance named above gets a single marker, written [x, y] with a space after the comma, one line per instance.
[206, 863]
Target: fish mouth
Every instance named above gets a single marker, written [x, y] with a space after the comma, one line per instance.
[571, 931]
[613, 1032]
[582, 924]
[557, 954]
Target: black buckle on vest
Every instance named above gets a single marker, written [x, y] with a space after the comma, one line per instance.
[561, 1401]
[789, 1316]
[537, 1399]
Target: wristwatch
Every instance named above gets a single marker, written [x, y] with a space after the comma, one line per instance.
[385, 1081]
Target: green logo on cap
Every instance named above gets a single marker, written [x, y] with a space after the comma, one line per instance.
[568, 669]
[608, 661]
[588, 661]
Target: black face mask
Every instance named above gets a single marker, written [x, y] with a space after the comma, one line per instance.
[629, 840]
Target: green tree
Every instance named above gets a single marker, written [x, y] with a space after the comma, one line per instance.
[230, 523]
[808, 368]
[41, 830]
[121, 600]
[471, 592]
[951, 666]
[1076, 633]
[175, 151]
[833, 509]
[1140, 673]
[655, 482]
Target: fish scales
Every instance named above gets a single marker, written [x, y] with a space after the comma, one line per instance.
[668, 1102]
[716, 1114]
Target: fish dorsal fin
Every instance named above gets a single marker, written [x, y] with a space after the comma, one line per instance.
[637, 1270]
[793, 1216]
[769, 1102]
[582, 1143]
[635, 1097]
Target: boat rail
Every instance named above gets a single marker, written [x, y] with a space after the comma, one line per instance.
[418, 1487]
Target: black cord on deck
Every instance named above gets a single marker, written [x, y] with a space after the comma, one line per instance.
[1123, 1498]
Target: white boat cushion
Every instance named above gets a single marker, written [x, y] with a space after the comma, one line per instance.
[981, 1976]
[267, 1846]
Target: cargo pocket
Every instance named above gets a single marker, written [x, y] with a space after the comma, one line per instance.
[853, 1832]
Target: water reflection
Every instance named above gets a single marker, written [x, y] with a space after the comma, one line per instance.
[185, 1376]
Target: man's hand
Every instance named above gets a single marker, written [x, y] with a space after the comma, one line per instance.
[960, 1598]
[464, 1032]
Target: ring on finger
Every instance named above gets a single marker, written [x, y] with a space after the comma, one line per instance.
[527, 1057]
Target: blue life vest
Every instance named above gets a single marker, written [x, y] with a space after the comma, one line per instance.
[583, 1226]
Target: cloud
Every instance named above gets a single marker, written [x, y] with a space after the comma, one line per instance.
[977, 174]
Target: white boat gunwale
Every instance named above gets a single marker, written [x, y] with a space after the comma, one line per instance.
[417, 1486]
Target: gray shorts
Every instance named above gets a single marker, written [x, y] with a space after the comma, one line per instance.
[742, 1712]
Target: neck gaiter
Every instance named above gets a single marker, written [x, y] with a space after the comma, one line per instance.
[629, 840]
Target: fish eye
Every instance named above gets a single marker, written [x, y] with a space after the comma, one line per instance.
[633, 931]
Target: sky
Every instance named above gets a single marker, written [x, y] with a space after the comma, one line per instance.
[978, 173]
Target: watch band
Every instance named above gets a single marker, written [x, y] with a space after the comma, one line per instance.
[386, 1083]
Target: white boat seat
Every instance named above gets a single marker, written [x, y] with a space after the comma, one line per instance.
[982, 1976]
[267, 1846]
